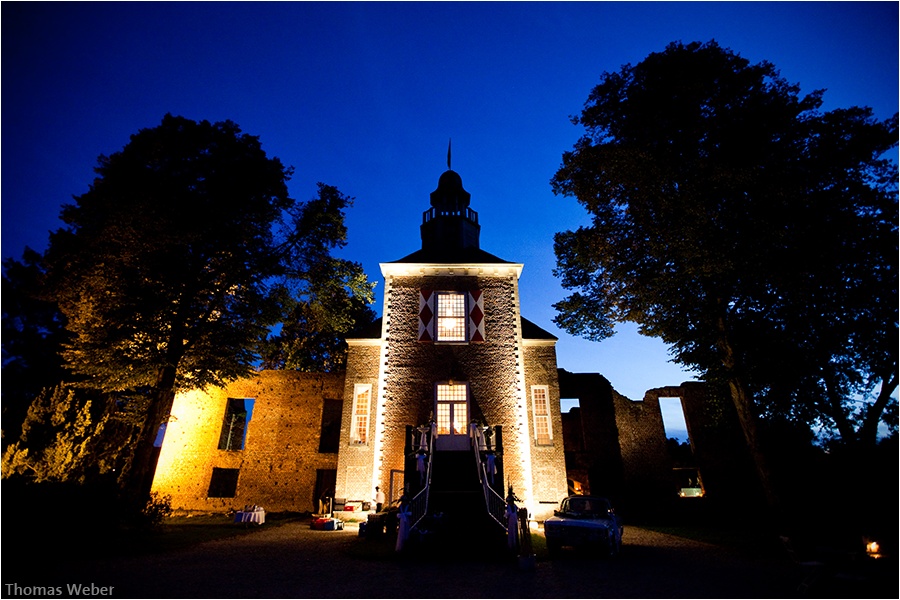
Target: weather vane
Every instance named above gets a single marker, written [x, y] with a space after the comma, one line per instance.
[449, 143]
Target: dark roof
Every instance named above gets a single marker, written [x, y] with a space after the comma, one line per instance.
[371, 331]
[456, 256]
[530, 331]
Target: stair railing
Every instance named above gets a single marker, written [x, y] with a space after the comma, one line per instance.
[418, 506]
[494, 502]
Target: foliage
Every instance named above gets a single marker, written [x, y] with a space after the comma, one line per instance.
[328, 296]
[169, 275]
[753, 233]
[157, 510]
[33, 331]
[166, 258]
[71, 435]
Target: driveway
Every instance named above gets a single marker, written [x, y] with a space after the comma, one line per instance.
[293, 561]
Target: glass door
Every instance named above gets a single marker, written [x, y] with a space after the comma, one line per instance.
[452, 416]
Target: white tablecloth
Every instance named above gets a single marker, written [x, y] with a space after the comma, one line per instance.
[256, 516]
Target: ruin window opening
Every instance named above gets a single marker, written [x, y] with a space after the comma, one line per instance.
[330, 432]
[685, 474]
[234, 425]
[223, 483]
[567, 404]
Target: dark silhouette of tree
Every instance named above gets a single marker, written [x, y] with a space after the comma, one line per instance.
[751, 232]
[329, 296]
[171, 273]
[33, 332]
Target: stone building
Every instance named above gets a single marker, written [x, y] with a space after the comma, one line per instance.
[452, 395]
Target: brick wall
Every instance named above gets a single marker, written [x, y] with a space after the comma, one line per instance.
[547, 461]
[277, 468]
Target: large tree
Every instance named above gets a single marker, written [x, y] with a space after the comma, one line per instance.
[753, 233]
[164, 270]
[328, 297]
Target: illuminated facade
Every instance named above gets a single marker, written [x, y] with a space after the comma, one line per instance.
[452, 379]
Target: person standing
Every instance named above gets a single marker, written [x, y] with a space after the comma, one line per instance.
[379, 499]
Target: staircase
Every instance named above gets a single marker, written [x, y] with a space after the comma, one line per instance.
[458, 523]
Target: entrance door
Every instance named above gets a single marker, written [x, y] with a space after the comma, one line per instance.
[452, 410]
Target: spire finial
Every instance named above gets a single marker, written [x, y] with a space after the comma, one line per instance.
[449, 143]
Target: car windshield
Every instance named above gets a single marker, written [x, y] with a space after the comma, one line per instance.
[587, 507]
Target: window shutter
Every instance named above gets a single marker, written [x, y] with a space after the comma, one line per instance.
[476, 316]
[426, 315]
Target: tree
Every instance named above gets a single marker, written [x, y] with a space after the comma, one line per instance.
[164, 270]
[329, 296]
[72, 435]
[751, 232]
[33, 333]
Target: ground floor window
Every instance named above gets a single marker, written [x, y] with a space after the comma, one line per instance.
[359, 426]
[540, 401]
[223, 483]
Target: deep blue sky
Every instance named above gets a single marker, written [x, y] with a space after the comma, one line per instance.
[364, 96]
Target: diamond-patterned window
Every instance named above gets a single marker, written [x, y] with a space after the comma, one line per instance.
[451, 317]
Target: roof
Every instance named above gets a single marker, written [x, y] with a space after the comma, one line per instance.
[530, 331]
[466, 256]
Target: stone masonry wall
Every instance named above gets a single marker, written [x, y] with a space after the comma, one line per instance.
[490, 368]
[547, 461]
[646, 463]
[281, 454]
[355, 461]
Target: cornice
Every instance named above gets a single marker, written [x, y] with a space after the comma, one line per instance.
[395, 269]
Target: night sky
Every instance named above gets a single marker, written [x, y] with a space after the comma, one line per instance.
[365, 96]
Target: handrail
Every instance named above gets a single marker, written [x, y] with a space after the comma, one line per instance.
[418, 506]
[494, 502]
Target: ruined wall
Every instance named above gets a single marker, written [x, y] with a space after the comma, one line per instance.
[717, 442]
[646, 462]
[596, 458]
[277, 467]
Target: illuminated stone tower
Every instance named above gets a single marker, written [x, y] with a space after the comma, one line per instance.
[454, 347]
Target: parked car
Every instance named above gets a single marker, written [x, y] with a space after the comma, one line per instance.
[584, 522]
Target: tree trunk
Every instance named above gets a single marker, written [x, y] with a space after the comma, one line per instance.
[868, 432]
[143, 466]
[743, 404]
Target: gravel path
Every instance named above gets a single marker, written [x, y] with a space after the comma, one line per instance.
[293, 561]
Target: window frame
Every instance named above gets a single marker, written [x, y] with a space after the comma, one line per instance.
[356, 414]
[544, 417]
[460, 298]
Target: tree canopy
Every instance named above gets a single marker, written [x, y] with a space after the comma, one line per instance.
[749, 230]
[175, 266]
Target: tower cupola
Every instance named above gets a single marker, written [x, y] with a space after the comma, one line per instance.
[450, 224]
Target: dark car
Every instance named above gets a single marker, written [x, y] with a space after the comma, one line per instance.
[587, 522]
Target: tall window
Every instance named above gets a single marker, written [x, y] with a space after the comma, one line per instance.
[451, 317]
[330, 433]
[540, 400]
[234, 425]
[359, 426]
[452, 408]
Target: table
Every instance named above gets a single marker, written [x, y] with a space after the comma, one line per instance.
[253, 516]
